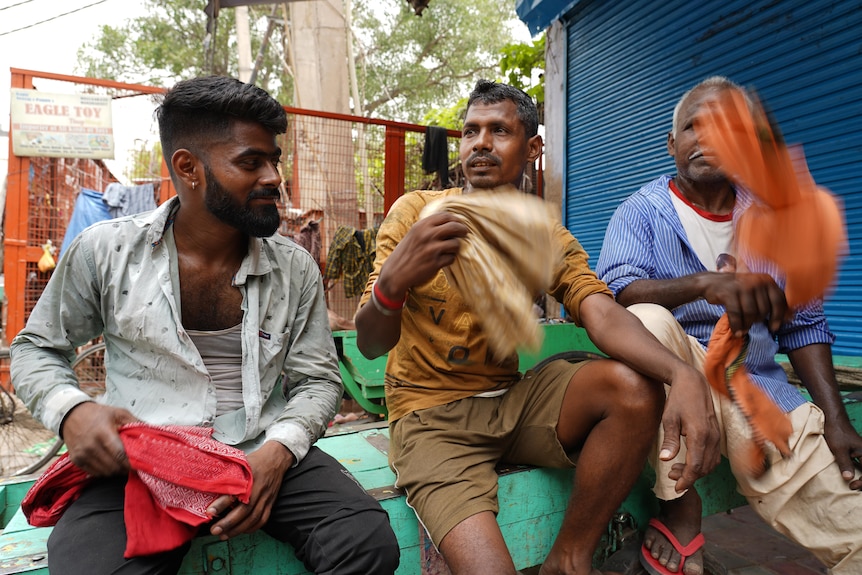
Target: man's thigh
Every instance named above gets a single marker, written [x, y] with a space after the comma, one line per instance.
[91, 537]
[333, 524]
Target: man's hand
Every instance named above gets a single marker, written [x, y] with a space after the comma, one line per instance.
[90, 431]
[430, 245]
[268, 466]
[748, 299]
[846, 445]
[689, 413]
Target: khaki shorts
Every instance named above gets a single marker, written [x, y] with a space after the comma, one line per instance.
[444, 456]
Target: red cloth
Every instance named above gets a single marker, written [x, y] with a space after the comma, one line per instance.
[176, 472]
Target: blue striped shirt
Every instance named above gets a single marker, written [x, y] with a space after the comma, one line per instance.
[645, 239]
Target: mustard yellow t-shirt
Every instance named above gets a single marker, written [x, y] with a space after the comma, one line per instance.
[443, 354]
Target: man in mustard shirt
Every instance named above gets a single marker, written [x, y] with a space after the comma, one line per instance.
[456, 410]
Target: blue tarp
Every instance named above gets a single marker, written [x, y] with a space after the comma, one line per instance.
[89, 209]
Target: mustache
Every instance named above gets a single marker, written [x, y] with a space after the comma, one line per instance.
[484, 156]
[263, 194]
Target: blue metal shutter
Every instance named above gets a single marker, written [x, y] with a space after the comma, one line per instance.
[629, 62]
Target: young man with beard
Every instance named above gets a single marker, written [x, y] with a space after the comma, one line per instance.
[669, 254]
[456, 411]
[209, 319]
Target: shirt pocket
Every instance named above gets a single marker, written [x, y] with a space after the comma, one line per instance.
[272, 350]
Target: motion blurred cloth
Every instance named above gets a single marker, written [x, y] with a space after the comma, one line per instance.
[176, 472]
[795, 225]
[506, 259]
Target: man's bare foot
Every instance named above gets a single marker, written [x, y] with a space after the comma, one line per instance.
[682, 517]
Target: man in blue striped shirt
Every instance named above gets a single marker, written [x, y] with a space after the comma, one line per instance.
[669, 256]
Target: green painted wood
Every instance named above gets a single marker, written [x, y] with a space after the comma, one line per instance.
[532, 503]
[24, 551]
[17, 523]
[12, 491]
[362, 377]
[557, 338]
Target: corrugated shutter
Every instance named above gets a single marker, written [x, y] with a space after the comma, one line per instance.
[629, 62]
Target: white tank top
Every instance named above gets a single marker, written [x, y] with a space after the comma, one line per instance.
[222, 354]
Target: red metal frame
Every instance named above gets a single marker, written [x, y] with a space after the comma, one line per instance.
[400, 142]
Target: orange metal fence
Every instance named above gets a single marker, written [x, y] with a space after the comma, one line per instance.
[341, 172]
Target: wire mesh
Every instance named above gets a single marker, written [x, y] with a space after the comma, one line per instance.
[334, 167]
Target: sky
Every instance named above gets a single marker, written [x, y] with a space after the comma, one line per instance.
[45, 35]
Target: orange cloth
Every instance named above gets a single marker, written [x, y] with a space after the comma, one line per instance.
[796, 225]
[176, 472]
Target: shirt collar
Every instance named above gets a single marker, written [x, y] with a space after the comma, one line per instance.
[256, 262]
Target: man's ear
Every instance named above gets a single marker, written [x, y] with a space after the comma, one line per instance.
[185, 165]
[671, 142]
[534, 148]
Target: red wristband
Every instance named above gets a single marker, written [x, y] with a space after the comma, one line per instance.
[385, 301]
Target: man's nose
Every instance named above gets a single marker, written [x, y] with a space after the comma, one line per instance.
[482, 141]
[271, 176]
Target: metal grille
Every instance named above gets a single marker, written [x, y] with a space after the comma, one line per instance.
[339, 171]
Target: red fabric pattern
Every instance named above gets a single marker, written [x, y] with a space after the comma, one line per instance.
[176, 472]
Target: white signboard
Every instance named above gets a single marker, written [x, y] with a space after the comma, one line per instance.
[61, 125]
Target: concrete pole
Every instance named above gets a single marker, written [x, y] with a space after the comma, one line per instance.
[243, 42]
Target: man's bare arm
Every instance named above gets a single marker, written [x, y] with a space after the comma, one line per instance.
[813, 365]
[747, 298]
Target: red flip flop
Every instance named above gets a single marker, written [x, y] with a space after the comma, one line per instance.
[652, 565]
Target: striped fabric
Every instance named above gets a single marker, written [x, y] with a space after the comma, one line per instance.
[645, 240]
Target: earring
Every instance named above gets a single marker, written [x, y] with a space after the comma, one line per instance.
[194, 185]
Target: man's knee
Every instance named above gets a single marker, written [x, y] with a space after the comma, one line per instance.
[632, 395]
[657, 319]
[353, 541]
[660, 322]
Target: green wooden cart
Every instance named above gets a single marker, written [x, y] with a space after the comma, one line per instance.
[532, 500]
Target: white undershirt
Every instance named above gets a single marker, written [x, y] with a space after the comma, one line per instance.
[221, 351]
[709, 237]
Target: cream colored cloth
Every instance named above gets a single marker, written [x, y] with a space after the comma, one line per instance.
[802, 496]
[505, 261]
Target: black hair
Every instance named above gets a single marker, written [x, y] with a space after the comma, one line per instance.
[201, 110]
[488, 92]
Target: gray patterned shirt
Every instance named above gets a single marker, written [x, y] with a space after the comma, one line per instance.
[117, 280]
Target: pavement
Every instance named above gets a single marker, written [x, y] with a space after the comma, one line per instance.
[738, 542]
[745, 545]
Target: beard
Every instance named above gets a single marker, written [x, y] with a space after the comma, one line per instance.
[261, 221]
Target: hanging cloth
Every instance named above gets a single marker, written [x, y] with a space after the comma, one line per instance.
[435, 154]
[351, 257]
[89, 209]
[129, 200]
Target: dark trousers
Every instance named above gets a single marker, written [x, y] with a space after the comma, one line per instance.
[334, 526]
